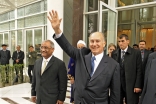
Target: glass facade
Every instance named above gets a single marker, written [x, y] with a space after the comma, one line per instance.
[138, 24]
[24, 26]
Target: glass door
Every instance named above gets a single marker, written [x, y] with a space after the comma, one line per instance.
[34, 37]
[108, 22]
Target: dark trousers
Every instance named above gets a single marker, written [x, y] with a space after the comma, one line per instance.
[72, 94]
[122, 96]
[30, 68]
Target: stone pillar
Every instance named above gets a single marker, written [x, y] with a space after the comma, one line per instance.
[77, 29]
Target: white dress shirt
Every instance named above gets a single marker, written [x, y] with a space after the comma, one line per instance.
[47, 60]
[98, 60]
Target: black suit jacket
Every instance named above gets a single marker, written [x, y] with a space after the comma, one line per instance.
[146, 54]
[4, 57]
[149, 92]
[133, 72]
[52, 84]
[95, 89]
[20, 57]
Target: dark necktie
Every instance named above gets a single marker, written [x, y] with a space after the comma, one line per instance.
[142, 55]
[17, 55]
[122, 58]
[92, 65]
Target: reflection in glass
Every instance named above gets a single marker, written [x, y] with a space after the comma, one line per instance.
[138, 24]
[6, 38]
[20, 39]
[37, 41]
[12, 25]
[35, 20]
[20, 23]
[93, 4]
[132, 2]
[13, 42]
[92, 23]
[1, 39]
[125, 29]
[28, 42]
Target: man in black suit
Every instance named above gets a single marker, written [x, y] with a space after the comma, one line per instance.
[95, 72]
[130, 69]
[49, 82]
[4, 58]
[4, 55]
[18, 57]
[144, 54]
[149, 91]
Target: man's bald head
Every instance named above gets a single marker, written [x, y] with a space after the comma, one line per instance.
[97, 42]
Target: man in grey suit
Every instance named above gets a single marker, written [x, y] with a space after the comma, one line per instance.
[95, 72]
[149, 91]
[49, 81]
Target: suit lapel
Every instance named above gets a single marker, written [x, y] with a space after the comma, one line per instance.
[40, 66]
[88, 62]
[49, 63]
[101, 67]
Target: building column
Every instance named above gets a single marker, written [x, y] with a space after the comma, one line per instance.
[77, 21]
[58, 6]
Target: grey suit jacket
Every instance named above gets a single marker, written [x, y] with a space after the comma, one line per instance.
[52, 84]
[149, 92]
[95, 89]
[148, 65]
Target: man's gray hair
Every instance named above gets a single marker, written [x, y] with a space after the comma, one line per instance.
[52, 44]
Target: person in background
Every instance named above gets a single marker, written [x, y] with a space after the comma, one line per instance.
[111, 48]
[144, 54]
[32, 56]
[18, 57]
[4, 58]
[49, 83]
[135, 46]
[71, 68]
[130, 70]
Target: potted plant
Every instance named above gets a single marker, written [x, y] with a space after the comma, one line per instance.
[3, 75]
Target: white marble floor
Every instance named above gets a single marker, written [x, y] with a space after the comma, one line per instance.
[21, 93]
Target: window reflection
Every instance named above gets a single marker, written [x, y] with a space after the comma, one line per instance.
[139, 24]
[132, 2]
[37, 41]
[93, 4]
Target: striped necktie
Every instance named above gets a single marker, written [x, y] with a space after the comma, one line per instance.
[92, 65]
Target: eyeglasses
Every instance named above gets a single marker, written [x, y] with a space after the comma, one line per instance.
[43, 47]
